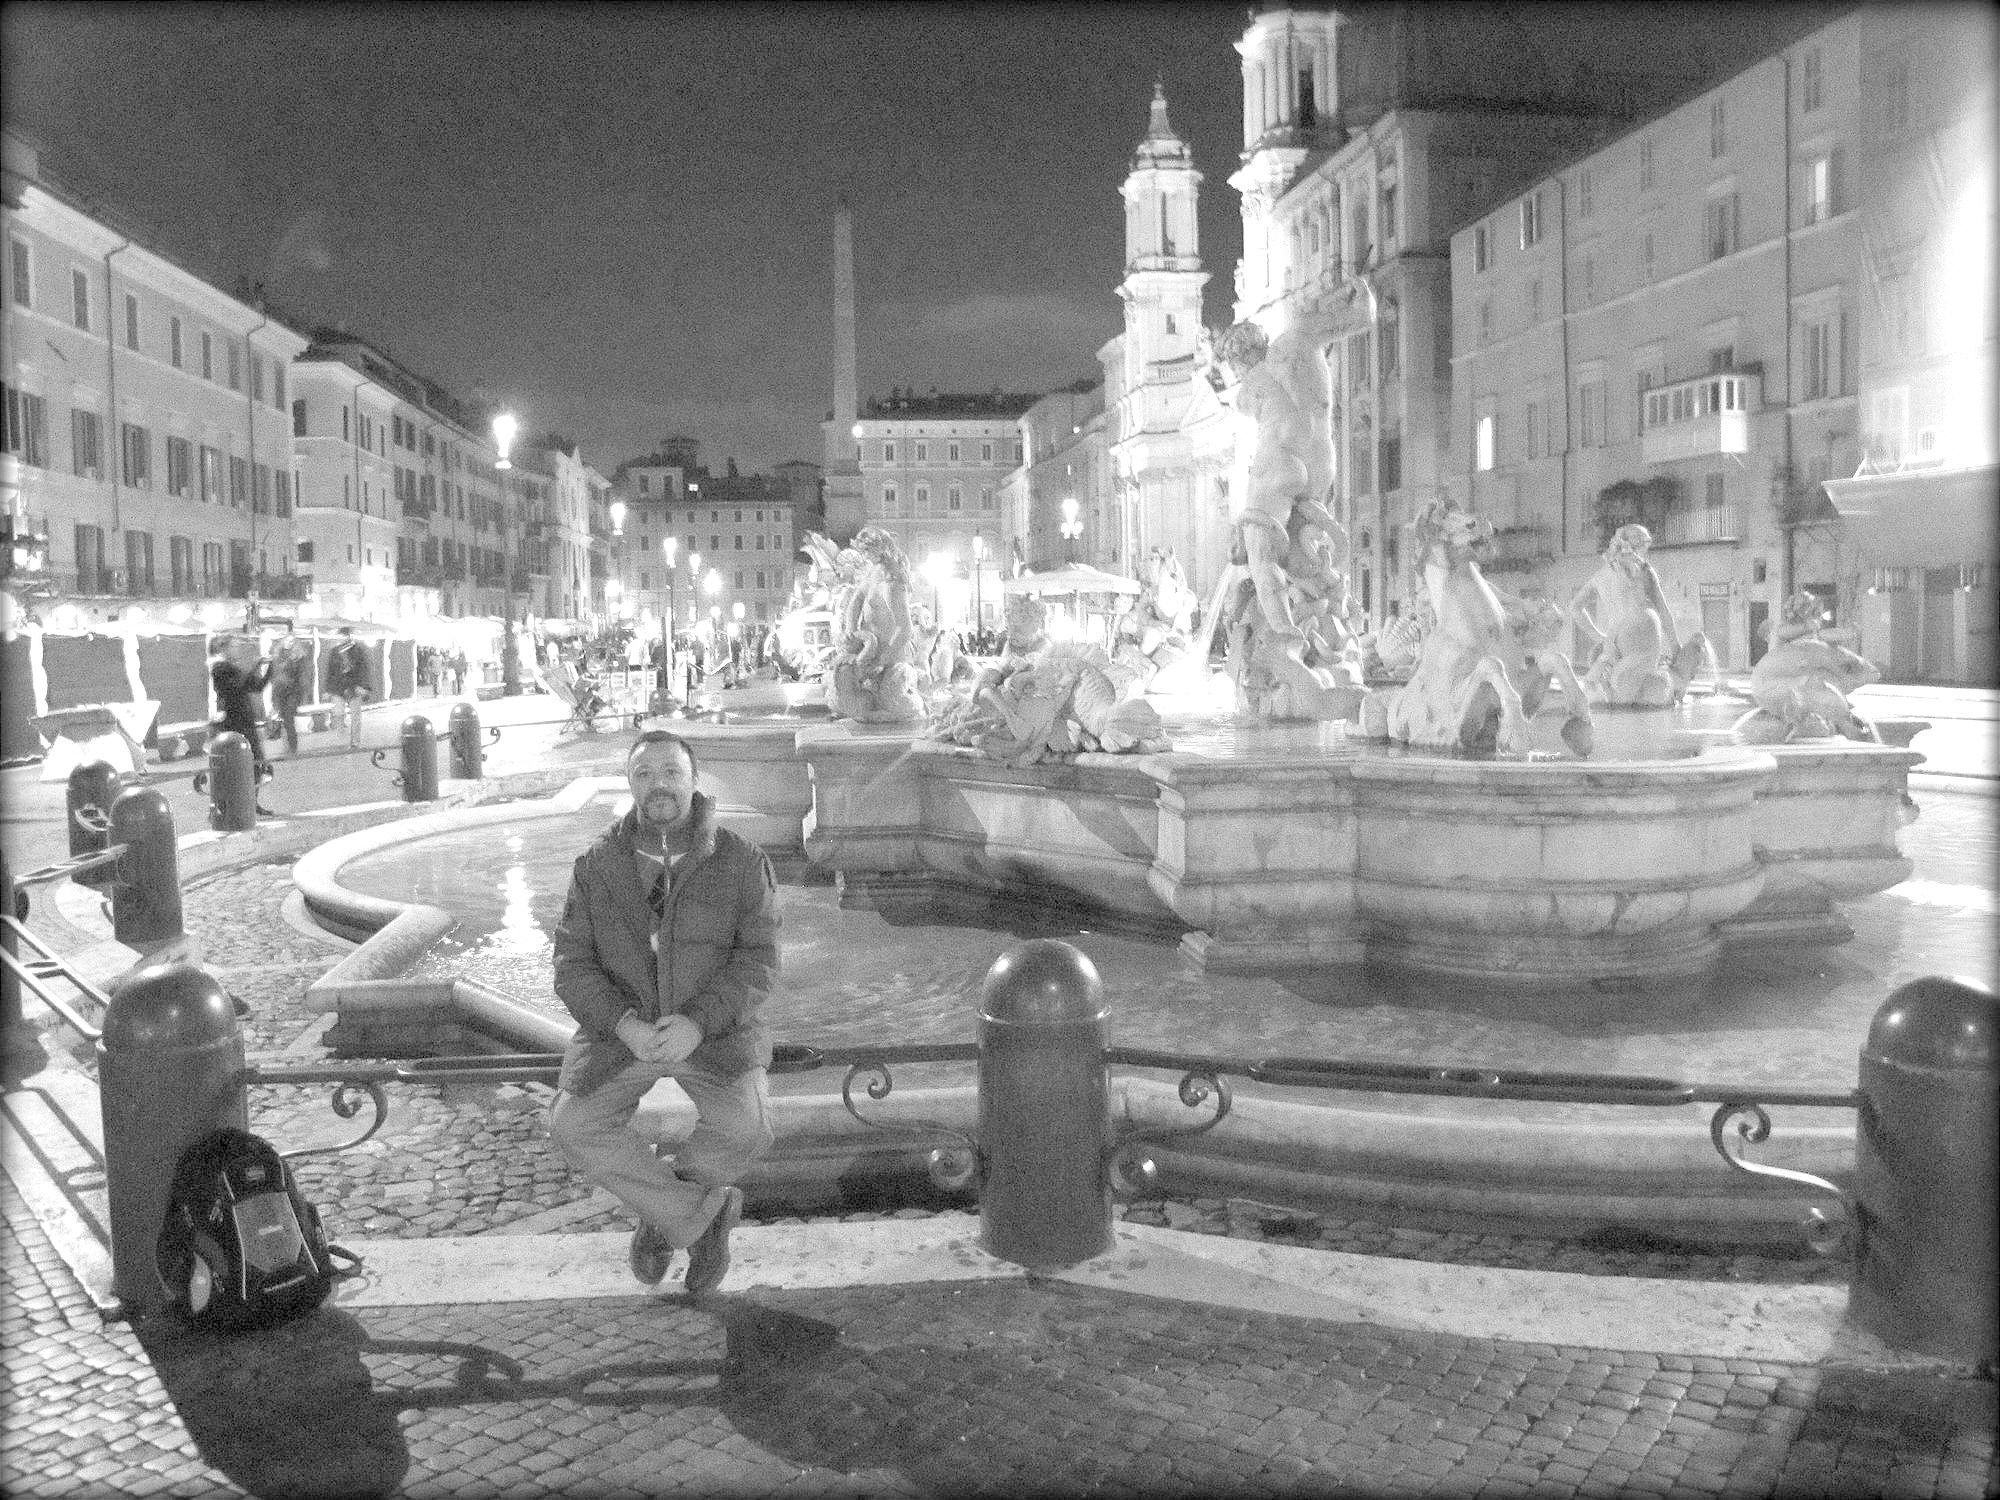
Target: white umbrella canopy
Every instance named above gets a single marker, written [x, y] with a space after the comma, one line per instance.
[1077, 578]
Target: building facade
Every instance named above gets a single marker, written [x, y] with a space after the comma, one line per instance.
[1676, 328]
[692, 546]
[1919, 508]
[932, 469]
[150, 464]
[1061, 503]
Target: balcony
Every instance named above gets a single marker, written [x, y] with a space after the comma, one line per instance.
[1699, 418]
[1695, 524]
[419, 575]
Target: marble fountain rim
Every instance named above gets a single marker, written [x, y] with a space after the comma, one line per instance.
[1469, 1157]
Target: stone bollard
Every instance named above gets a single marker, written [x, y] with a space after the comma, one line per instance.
[467, 751]
[1044, 1108]
[93, 787]
[18, 1041]
[146, 901]
[419, 776]
[231, 783]
[169, 1069]
[1924, 1171]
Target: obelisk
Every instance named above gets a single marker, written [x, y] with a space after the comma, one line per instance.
[844, 510]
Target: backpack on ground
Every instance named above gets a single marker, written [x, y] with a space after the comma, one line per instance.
[241, 1247]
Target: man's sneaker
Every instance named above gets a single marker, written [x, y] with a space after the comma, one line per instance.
[650, 1255]
[708, 1257]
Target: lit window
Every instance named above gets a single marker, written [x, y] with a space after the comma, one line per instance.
[1482, 445]
[1531, 220]
[21, 268]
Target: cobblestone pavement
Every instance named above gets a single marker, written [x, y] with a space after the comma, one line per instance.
[1003, 1389]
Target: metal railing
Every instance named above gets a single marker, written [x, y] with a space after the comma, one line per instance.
[1740, 1118]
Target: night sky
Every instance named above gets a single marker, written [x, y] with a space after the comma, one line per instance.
[619, 219]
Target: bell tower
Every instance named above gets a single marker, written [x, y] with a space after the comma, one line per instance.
[1163, 274]
[1291, 114]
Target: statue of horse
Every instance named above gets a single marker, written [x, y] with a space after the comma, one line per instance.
[1484, 667]
[1642, 661]
[876, 674]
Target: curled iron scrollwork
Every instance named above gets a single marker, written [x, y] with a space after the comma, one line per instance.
[346, 1102]
[950, 1167]
[1752, 1124]
[1132, 1167]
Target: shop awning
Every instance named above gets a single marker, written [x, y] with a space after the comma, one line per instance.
[1076, 578]
[1921, 518]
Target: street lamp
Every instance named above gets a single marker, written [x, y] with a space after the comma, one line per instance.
[504, 428]
[1072, 528]
[978, 564]
[670, 548]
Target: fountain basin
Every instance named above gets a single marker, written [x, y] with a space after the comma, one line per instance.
[1542, 872]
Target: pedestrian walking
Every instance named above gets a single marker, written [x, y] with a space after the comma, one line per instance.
[458, 670]
[347, 677]
[665, 954]
[239, 675]
[290, 669]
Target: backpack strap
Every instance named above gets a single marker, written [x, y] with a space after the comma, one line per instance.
[338, 1253]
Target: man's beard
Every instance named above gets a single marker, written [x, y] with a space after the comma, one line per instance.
[663, 809]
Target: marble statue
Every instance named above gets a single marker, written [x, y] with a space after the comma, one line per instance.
[1486, 664]
[1642, 661]
[1800, 685]
[1153, 635]
[1066, 699]
[876, 671]
[1281, 392]
[1027, 626]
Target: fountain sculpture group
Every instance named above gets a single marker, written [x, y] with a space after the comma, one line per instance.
[1050, 773]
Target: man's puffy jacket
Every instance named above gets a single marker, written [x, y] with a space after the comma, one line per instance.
[717, 961]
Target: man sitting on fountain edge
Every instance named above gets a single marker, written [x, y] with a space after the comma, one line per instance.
[665, 954]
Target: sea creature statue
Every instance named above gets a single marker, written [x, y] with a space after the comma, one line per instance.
[876, 670]
[1152, 635]
[1281, 389]
[1392, 651]
[1800, 685]
[1027, 626]
[1066, 699]
[818, 585]
[1487, 663]
[1642, 662]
